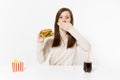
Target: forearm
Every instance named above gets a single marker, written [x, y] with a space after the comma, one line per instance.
[40, 53]
[81, 41]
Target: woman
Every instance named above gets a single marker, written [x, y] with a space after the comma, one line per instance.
[61, 49]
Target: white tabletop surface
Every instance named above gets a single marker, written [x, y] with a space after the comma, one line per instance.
[42, 72]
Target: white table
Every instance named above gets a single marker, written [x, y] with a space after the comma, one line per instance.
[42, 72]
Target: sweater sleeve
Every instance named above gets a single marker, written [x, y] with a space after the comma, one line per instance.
[81, 41]
[43, 49]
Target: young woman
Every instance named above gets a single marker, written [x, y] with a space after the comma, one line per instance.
[61, 49]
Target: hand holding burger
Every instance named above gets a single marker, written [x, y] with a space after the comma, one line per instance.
[44, 34]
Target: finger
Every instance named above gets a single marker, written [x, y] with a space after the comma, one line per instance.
[38, 35]
[60, 23]
[40, 40]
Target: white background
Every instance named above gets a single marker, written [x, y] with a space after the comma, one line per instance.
[21, 20]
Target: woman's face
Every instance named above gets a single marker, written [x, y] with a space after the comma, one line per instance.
[64, 17]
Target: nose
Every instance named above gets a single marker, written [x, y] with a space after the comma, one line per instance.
[64, 20]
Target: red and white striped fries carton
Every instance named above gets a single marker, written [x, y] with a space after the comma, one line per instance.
[17, 65]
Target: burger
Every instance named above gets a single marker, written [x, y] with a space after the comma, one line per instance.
[46, 33]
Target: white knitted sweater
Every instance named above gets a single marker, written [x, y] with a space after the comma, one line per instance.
[61, 55]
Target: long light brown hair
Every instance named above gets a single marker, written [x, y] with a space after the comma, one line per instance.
[57, 40]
